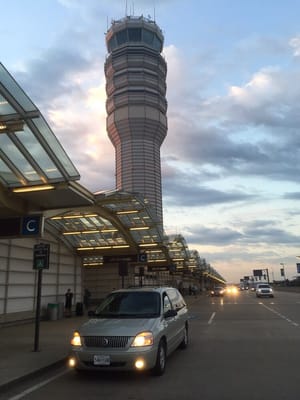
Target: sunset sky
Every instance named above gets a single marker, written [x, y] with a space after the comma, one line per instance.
[230, 162]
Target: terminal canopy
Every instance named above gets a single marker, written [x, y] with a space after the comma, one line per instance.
[30, 154]
[118, 223]
[33, 164]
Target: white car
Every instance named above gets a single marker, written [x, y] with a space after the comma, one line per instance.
[264, 290]
[132, 329]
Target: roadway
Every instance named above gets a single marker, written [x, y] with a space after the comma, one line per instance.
[240, 347]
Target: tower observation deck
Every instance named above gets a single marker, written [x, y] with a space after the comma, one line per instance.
[136, 105]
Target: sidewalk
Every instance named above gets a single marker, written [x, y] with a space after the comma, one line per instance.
[17, 358]
[17, 344]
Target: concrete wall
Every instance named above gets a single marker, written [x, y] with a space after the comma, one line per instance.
[18, 279]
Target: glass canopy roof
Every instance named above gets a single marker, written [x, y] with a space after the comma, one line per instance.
[118, 223]
[30, 154]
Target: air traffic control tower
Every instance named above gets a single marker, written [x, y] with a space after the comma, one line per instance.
[136, 105]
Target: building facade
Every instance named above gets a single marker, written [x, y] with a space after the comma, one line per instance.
[136, 105]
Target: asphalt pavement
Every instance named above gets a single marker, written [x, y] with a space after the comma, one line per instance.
[22, 355]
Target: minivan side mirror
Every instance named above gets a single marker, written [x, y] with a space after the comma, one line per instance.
[170, 313]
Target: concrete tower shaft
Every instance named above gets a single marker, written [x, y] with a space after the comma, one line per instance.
[136, 105]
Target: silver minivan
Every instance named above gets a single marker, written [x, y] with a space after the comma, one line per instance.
[132, 329]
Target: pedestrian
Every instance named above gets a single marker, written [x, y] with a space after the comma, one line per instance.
[68, 302]
[86, 298]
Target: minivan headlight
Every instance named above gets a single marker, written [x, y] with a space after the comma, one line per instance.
[76, 339]
[143, 339]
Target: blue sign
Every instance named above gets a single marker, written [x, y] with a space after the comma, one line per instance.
[143, 257]
[31, 225]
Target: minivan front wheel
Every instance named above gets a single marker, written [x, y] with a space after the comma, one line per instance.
[161, 359]
[185, 341]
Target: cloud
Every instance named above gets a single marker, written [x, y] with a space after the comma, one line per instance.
[295, 45]
[248, 131]
[187, 190]
[251, 238]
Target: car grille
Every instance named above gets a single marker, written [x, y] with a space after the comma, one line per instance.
[106, 341]
[265, 291]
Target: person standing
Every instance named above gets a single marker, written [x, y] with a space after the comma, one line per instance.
[68, 302]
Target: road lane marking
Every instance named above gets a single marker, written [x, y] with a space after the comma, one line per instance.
[280, 315]
[39, 385]
[211, 318]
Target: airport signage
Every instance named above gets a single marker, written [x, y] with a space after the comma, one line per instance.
[25, 226]
[116, 258]
[41, 256]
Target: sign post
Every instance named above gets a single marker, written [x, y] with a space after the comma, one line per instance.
[38, 311]
[40, 262]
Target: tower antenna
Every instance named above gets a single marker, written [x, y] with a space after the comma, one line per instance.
[126, 8]
[154, 10]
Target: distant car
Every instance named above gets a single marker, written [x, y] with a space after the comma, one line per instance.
[132, 329]
[264, 290]
[217, 291]
[232, 290]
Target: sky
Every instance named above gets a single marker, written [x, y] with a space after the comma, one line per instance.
[230, 162]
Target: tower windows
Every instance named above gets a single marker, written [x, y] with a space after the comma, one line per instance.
[137, 35]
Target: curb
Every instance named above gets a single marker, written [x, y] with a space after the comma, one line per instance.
[38, 372]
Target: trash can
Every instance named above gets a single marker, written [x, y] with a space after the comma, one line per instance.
[52, 311]
[79, 309]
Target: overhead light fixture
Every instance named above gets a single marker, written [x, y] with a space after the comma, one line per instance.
[74, 216]
[80, 232]
[148, 244]
[139, 228]
[127, 212]
[11, 126]
[33, 188]
[95, 264]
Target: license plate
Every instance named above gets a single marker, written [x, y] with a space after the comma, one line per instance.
[101, 360]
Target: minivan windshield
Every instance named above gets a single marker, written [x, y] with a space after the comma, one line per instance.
[130, 305]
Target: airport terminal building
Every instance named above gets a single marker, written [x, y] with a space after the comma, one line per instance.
[52, 228]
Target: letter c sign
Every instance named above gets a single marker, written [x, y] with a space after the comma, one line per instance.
[31, 225]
